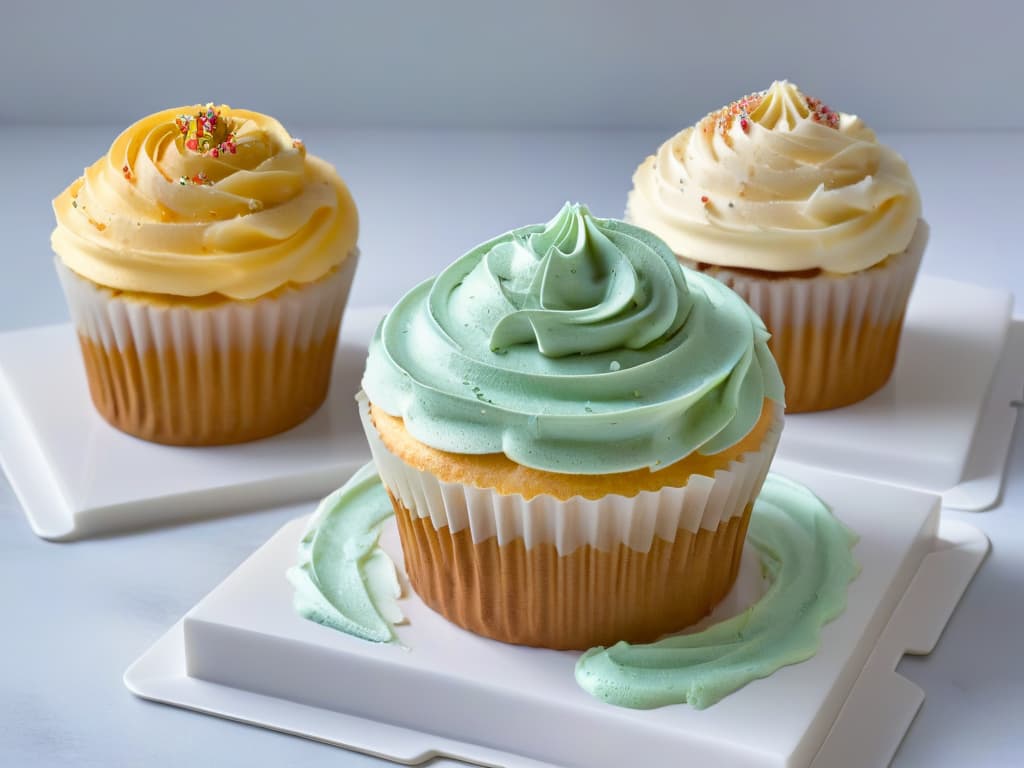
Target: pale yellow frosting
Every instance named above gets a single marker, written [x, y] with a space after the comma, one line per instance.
[156, 217]
[778, 182]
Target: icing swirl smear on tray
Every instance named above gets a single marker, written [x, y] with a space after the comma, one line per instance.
[805, 553]
[343, 579]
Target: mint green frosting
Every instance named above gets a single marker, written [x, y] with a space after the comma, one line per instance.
[576, 346]
[343, 579]
[805, 552]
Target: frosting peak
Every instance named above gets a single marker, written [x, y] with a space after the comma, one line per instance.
[205, 200]
[778, 181]
[573, 290]
[781, 106]
[577, 346]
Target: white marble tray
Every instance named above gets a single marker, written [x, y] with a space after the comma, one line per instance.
[242, 653]
[77, 476]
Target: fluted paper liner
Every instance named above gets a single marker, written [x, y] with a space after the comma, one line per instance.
[578, 572]
[195, 374]
[835, 337]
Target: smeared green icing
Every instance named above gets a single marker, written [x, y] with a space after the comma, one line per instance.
[805, 552]
[343, 579]
[576, 346]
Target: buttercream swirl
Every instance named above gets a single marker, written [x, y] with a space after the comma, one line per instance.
[579, 346]
[805, 553]
[240, 220]
[778, 182]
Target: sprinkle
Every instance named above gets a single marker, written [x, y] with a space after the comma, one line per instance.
[704, 199]
[206, 132]
[722, 121]
[200, 180]
[822, 114]
[74, 203]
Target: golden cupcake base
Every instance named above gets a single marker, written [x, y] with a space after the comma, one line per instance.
[630, 556]
[589, 597]
[217, 397]
[831, 366]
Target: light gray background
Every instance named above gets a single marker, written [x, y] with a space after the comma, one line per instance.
[599, 87]
[908, 64]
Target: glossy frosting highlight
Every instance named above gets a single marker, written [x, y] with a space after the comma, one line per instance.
[779, 182]
[343, 579]
[805, 553]
[579, 346]
[237, 219]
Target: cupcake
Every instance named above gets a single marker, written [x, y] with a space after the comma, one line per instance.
[571, 428]
[206, 261]
[802, 212]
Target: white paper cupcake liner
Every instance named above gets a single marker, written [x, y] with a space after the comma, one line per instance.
[704, 502]
[878, 295]
[300, 314]
[835, 337]
[185, 373]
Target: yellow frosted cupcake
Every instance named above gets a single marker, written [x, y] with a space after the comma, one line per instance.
[572, 429]
[809, 218]
[206, 261]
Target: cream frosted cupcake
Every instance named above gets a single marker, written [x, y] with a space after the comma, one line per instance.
[206, 261]
[572, 430]
[802, 212]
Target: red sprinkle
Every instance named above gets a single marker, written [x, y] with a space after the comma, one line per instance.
[704, 199]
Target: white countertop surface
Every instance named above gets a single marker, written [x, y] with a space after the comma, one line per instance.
[75, 615]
